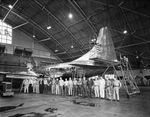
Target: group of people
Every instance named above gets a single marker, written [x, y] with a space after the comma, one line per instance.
[142, 81]
[97, 87]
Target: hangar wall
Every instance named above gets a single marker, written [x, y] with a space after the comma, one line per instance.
[22, 40]
[40, 56]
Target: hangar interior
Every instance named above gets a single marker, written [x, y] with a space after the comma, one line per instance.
[48, 35]
[47, 32]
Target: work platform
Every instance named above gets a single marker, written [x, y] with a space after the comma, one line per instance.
[42, 105]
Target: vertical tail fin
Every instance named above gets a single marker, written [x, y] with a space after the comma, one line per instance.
[104, 47]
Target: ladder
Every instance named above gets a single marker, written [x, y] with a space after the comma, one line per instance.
[128, 80]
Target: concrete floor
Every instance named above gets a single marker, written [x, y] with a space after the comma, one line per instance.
[42, 105]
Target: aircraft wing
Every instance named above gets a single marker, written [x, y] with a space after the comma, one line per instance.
[91, 64]
[85, 66]
[106, 62]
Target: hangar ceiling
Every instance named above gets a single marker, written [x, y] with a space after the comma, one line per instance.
[34, 16]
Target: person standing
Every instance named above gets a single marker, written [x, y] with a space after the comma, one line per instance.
[26, 86]
[45, 85]
[148, 81]
[84, 84]
[74, 87]
[49, 81]
[144, 81]
[116, 86]
[70, 86]
[89, 86]
[79, 83]
[108, 88]
[37, 85]
[96, 87]
[30, 86]
[102, 87]
[61, 84]
[57, 86]
[34, 86]
[53, 86]
[66, 87]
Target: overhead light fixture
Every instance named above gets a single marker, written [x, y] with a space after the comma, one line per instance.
[49, 27]
[72, 46]
[72, 43]
[125, 31]
[10, 6]
[33, 32]
[56, 50]
[70, 15]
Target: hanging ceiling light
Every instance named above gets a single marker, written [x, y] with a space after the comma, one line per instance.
[70, 15]
[48, 27]
[10, 6]
[125, 31]
[33, 32]
[56, 50]
[72, 46]
[72, 43]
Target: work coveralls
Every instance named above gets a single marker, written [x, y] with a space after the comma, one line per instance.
[70, 86]
[116, 87]
[102, 87]
[96, 88]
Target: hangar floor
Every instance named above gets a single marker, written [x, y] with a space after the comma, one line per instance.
[42, 105]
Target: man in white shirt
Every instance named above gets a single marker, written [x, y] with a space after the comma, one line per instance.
[45, 85]
[96, 87]
[61, 84]
[34, 86]
[102, 87]
[57, 87]
[37, 85]
[26, 86]
[116, 86]
[70, 86]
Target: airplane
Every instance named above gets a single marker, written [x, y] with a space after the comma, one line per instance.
[16, 78]
[92, 63]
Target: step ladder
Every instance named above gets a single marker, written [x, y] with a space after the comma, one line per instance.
[128, 80]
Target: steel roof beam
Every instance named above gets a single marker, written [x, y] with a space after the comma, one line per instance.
[78, 8]
[45, 32]
[20, 25]
[113, 6]
[66, 29]
[9, 11]
[130, 45]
